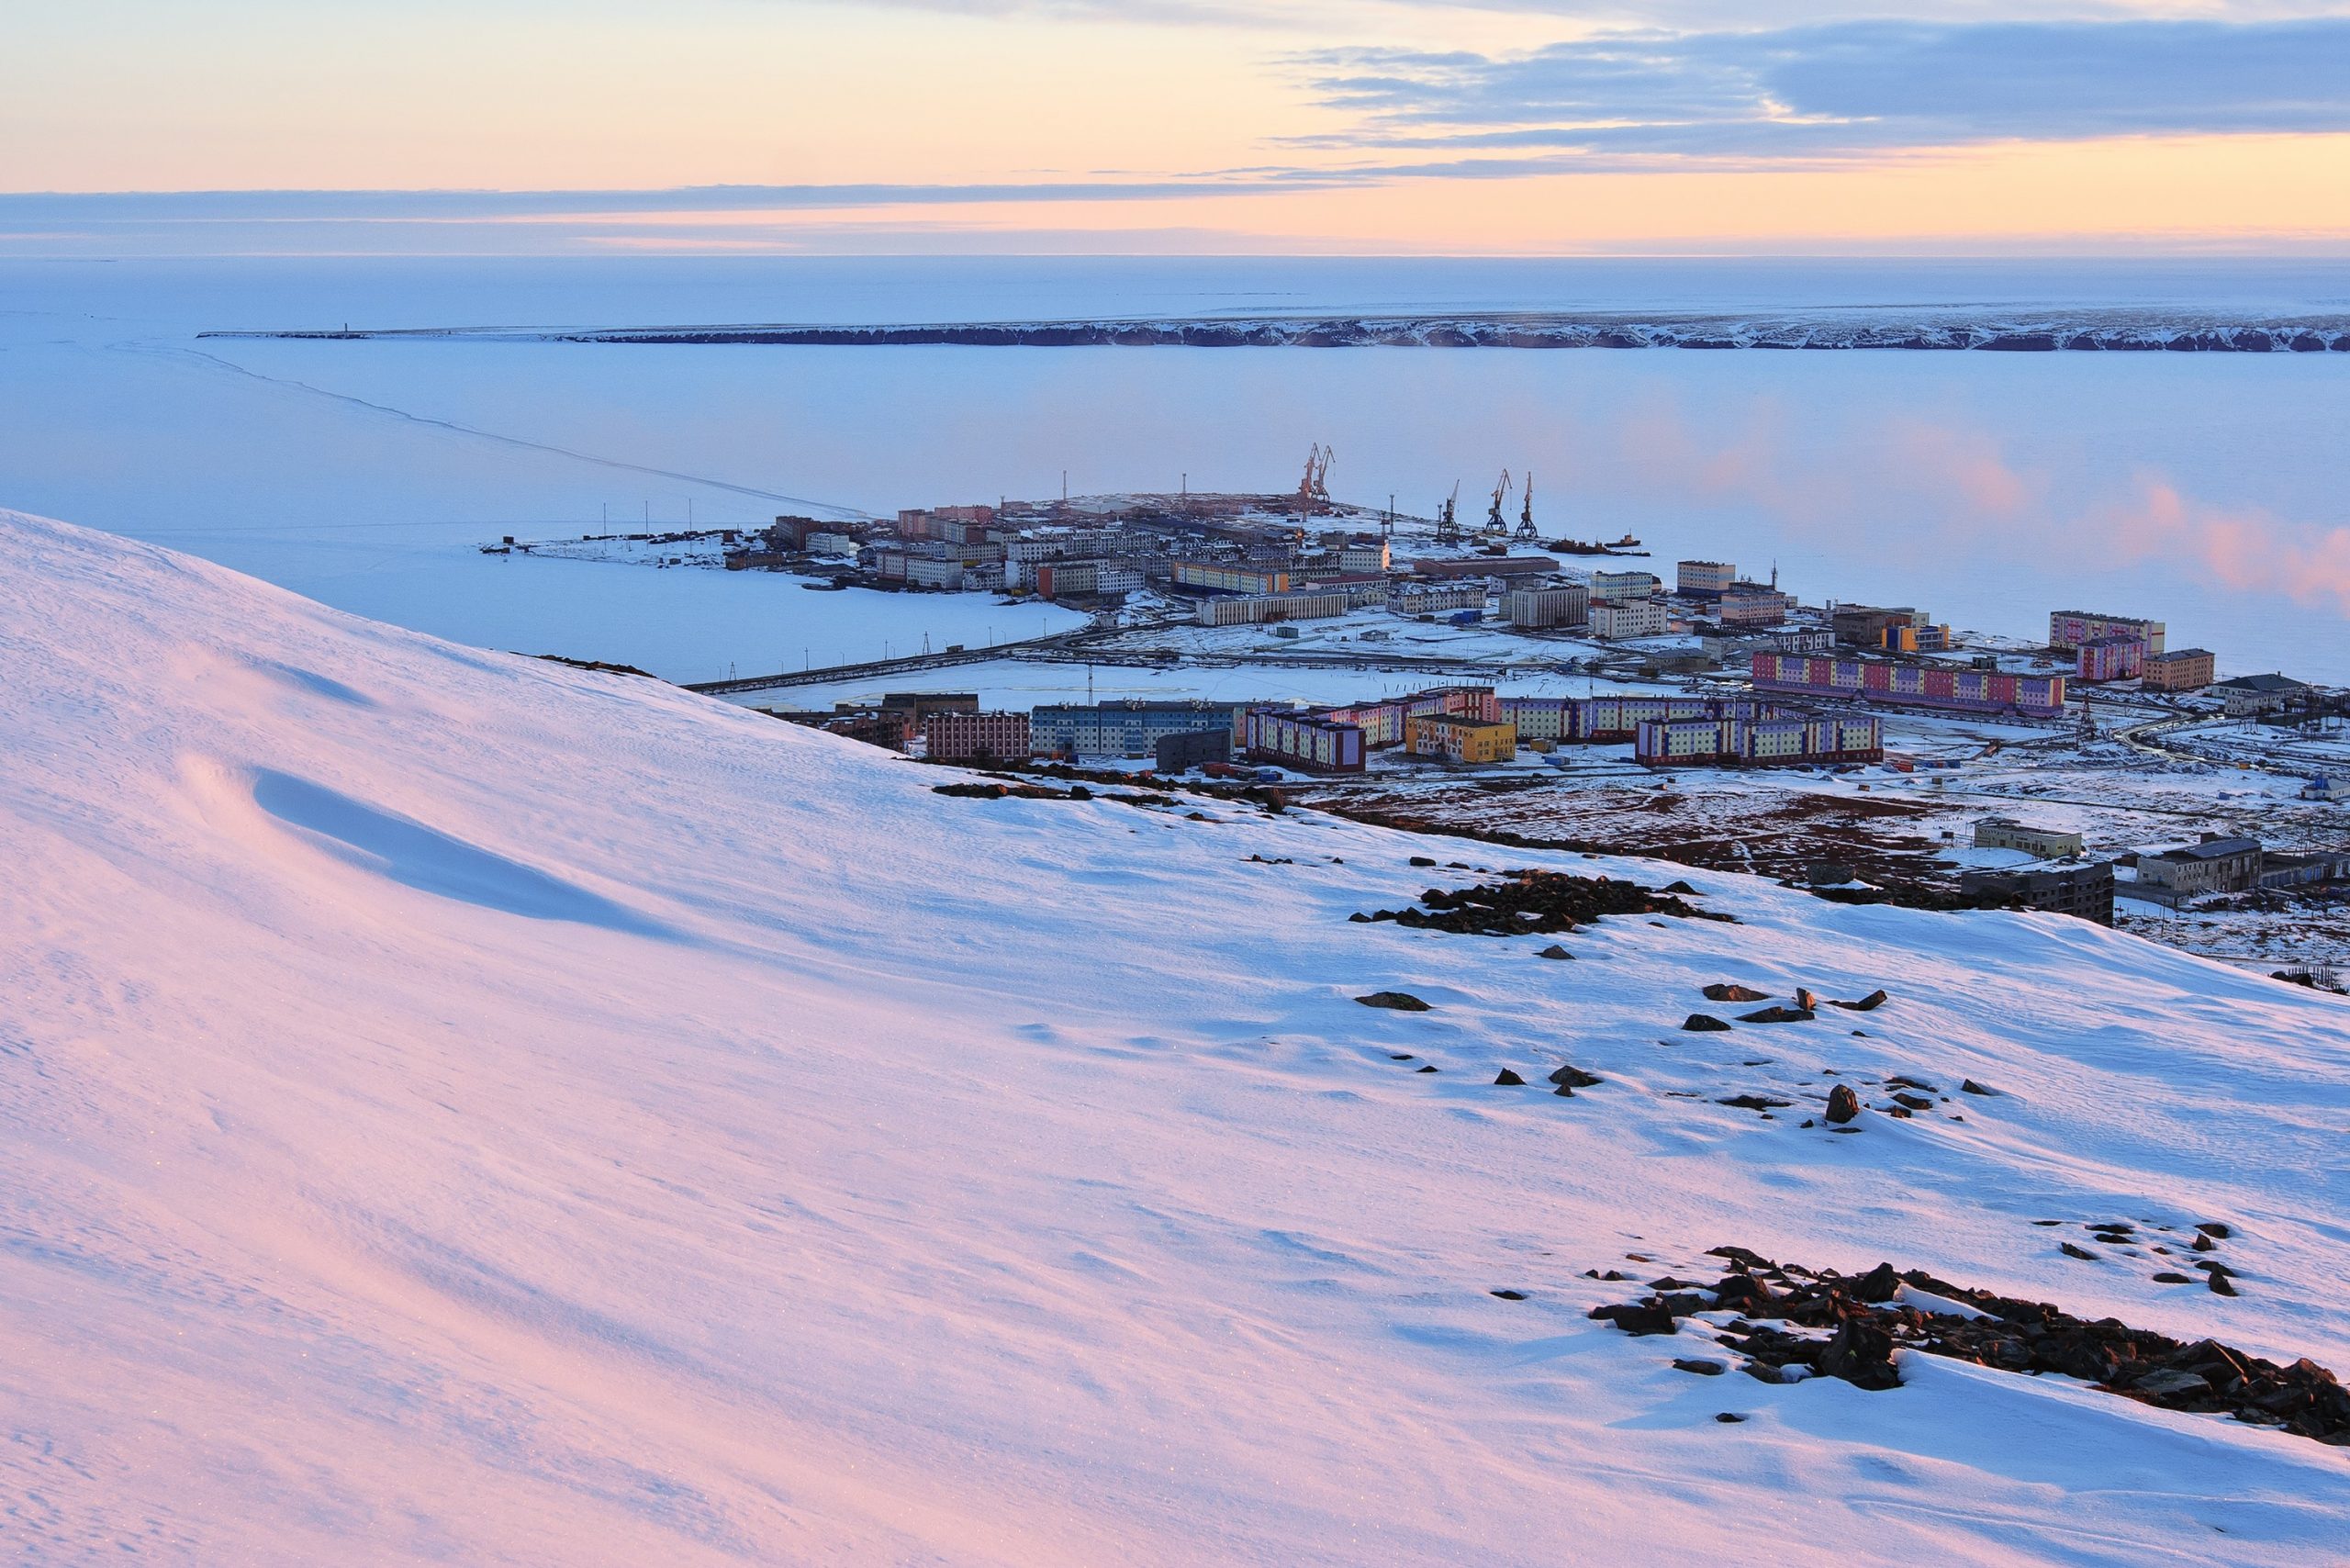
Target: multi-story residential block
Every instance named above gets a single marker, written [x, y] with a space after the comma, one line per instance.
[1910, 685]
[1126, 729]
[1243, 609]
[2180, 669]
[977, 737]
[1614, 586]
[1458, 738]
[2069, 629]
[1704, 579]
[1567, 604]
[2216, 864]
[1760, 743]
[2110, 658]
[1618, 619]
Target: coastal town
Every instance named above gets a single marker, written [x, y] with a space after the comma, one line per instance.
[1557, 692]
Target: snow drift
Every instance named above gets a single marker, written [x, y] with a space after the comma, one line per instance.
[462, 1108]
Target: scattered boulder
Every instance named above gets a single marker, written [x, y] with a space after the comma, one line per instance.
[1394, 1001]
[1532, 902]
[1730, 1417]
[2070, 1250]
[1744, 1293]
[1702, 1368]
[1754, 1102]
[1914, 1101]
[1727, 992]
[2203, 1242]
[2217, 1230]
[1842, 1104]
[1573, 1077]
[1862, 1354]
[1702, 1022]
[1879, 1284]
[1423, 860]
[1682, 888]
[1508, 1295]
[1553, 951]
[1968, 1086]
[1807, 999]
[2170, 1277]
[2222, 1286]
[1431, 1068]
[1508, 1078]
[1643, 1319]
[1776, 1015]
[1868, 1003]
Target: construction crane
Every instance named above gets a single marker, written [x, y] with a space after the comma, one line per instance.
[1447, 526]
[1526, 513]
[1494, 529]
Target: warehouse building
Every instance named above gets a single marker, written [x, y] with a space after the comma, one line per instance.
[2216, 864]
[2085, 893]
[2040, 843]
[977, 737]
[1760, 743]
[2069, 629]
[1454, 738]
[1910, 685]
[2248, 696]
[1534, 608]
[2182, 669]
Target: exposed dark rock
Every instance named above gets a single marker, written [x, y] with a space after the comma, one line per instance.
[2169, 1278]
[2216, 1229]
[1573, 1077]
[1423, 860]
[1508, 1078]
[1730, 1417]
[1842, 1104]
[1554, 951]
[1914, 1101]
[1969, 1086]
[1702, 1022]
[1868, 1003]
[1643, 1319]
[1397, 1001]
[1754, 1102]
[1531, 902]
[2072, 1251]
[1849, 1326]
[1807, 999]
[2203, 1242]
[1682, 888]
[1723, 991]
[1508, 1295]
[1428, 1069]
[1702, 1368]
[1776, 1015]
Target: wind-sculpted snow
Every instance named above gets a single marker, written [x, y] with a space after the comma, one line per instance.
[460, 1108]
[2088, 330]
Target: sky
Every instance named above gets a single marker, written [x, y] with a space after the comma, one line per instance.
[1394, 127]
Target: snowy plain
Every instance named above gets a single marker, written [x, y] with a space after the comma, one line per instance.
[461, 1108]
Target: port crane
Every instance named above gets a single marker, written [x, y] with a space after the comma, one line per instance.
[1447, 526]
[1526, 513]
[1494, 529]
[1315, 485]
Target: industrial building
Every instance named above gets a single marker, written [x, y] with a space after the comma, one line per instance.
[2248, 696]
[1760, 743]
[2216, 864]
[1191, 748]
[2069, 629]
[1704, 579]
[1126, 729]
[1534, 608]
[1256, 609]
[2040, 843]
[1455, 738]
[1910, 685]
[977, 737]
[1916, 637]
[1612, 586]
[2083, 892]
[1450, 569]
[1297, 738]
[2182, 669]
[1617, 621]
[1864, 625]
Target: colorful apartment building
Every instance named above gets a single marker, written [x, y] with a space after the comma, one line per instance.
[1310, 741]
[1760, 743]
[977, 737]
[1704, 579]
[2110, 658]
[1452, 738]
[1215, 577]
[2069, 629]
[1609, 587]
[2181, 669]
[1256, 609]
[1908, 685]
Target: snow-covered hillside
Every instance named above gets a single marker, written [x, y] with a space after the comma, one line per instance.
[466, 1109]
